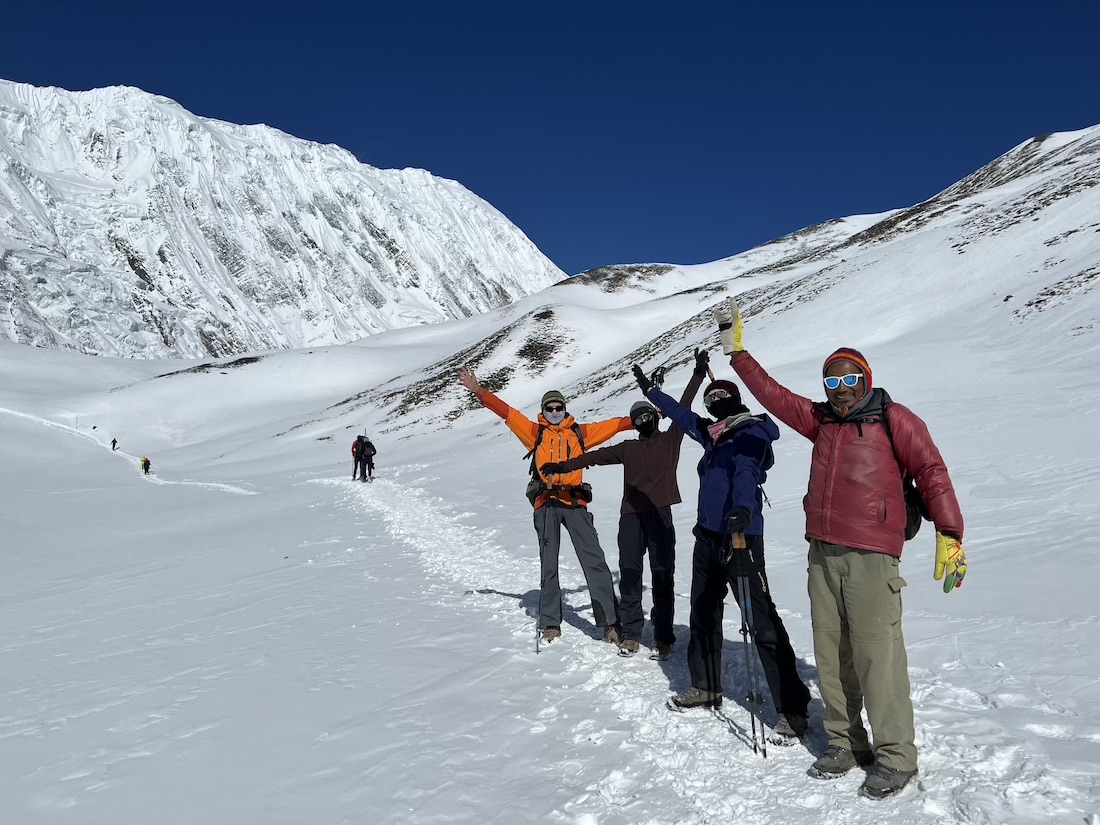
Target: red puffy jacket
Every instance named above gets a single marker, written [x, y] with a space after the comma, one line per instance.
[855, 495]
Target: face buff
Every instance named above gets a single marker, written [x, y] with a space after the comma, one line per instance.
[554, 416]
[726, 424]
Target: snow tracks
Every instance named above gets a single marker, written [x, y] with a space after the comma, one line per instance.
[658, 766]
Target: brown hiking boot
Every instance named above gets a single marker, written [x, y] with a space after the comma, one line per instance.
[551, 633]
[789, 729]
[613, 635]
[697, 698]
[629, 647]
[662, 650]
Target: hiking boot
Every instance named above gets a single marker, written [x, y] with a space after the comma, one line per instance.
[613, 635]
[883, 782]
[837, 761]
[789, 729]
[629, 647]
[662, 650]
[551, 633]
[698, 698]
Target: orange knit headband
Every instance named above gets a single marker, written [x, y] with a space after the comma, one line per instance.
[852, 355]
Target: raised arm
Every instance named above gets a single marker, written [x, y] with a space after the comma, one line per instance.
[790, 408]
[525, 429]
[601, 431]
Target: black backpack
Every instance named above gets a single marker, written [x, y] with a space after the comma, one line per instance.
[536, 486]
[916, 509]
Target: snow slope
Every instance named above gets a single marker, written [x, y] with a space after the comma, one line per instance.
[247, 636]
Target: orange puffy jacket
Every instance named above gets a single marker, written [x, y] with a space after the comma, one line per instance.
[559, 443]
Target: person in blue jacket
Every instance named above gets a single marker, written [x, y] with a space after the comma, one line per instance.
[737, 453]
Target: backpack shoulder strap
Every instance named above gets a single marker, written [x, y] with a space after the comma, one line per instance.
[538, 440]
[887, 402]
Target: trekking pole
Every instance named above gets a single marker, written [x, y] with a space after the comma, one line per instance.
[748, 632]
[538, 611]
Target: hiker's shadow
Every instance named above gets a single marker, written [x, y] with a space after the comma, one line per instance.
[530, 603]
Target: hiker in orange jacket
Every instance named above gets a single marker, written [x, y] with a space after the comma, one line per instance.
[561, 500]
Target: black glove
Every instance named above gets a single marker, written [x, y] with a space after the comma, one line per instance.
[551, 469]
[739, 519]
[702, 361]
[643, 381]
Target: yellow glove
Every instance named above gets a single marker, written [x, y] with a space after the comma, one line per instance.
[951, 559]
[730, 326]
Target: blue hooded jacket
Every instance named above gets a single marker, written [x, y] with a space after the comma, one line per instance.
[732, 468]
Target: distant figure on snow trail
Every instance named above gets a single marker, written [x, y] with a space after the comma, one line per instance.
[645, 521]
[114, 443]
[858, 517]
[363, 452]
[729, 548]
[145, 465]
[561, 500]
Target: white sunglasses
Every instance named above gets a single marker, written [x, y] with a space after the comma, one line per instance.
[832, 382]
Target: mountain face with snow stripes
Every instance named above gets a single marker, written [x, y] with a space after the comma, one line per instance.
[130, 227]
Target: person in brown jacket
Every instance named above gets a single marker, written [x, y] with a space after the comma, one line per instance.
[645, 520]
[856, 517]
[561, 500]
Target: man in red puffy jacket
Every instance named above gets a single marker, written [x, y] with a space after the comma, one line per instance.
[855, 522]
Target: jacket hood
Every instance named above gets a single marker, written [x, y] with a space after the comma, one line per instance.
[767, 429]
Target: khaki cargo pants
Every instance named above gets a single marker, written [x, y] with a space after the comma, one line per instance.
[855, 605]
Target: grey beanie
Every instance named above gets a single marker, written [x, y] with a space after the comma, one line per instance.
[639, 407]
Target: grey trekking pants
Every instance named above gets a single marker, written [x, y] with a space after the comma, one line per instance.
[582, 532]
[855, 605]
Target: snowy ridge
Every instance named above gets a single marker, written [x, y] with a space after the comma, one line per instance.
[130, 227]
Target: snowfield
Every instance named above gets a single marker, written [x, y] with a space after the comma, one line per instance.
[248, 636]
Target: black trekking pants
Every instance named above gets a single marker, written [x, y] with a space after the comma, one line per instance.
[709, 580]
[360, 469]
[652, 531]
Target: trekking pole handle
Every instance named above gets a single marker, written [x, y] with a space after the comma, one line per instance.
[738, 540]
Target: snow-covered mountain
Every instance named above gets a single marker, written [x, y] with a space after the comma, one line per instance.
[131, 227]
[247, 636]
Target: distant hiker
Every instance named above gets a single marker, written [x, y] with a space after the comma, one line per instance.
[645, 521]
[114, 443]
[561, 500]
[363, 452]
[737, 454]
[856, 522]
[145, 465]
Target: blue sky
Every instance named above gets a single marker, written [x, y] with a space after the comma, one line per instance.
[611, 132]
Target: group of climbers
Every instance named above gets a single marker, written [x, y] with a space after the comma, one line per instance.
[874, 471]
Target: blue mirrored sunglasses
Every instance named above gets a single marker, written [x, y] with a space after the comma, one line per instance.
[832, 382]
